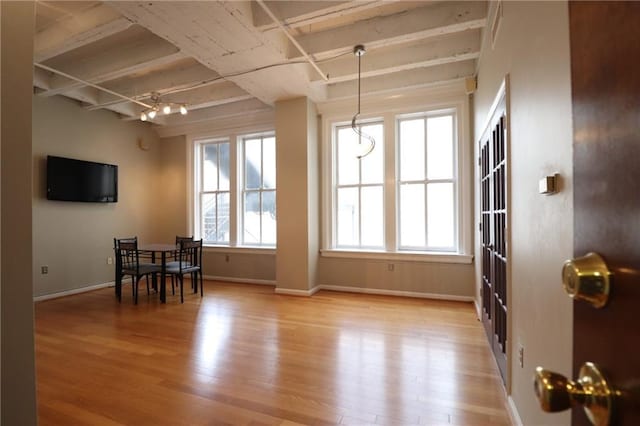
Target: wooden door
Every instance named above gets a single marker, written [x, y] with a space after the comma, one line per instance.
[605, 74]
[493, 212]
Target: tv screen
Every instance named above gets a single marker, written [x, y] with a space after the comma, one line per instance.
[77, 180]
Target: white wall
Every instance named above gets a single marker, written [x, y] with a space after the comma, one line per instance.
[533, 48]
[75, 239]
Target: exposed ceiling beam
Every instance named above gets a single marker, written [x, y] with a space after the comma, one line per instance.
[226, 110]
[396, 81]
[201, 97]
[298, 13]
[221, 36]
[180, 75]
[416, 24]
[112, 64]
[441, 50]
[75, 31]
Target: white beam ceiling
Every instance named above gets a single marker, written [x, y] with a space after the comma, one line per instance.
[229, 59]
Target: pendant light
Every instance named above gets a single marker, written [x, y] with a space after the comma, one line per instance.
[365, 150]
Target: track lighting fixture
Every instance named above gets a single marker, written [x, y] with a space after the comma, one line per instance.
[158, 105]
[364, 150]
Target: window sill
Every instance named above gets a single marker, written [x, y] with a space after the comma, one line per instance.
[271, 251]
[403, 256]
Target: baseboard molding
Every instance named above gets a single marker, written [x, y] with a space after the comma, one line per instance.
[286, 291]
[239, 280]
[73, 291]
[478, 311]
[513, 412]
[294, 292]
[402, 293]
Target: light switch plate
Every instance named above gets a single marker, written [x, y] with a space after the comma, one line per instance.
[548, 184]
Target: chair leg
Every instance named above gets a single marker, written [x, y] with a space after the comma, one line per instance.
[181, 278]
[173, 286]
[201, 284]
[135, 281]
[148, 285]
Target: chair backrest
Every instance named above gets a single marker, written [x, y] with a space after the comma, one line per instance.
[190, 254]
[179, 239]
[127, 257]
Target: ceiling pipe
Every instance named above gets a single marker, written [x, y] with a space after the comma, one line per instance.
[293, 40]
[87, 83]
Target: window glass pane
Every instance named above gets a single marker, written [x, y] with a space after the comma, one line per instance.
[440, 147]
[440, 215]
[348, 164]
[209, 217]
[252, 217]
[412, 150]
[224, 164]
[252, 170]
[373, 164]
[222, 231]
[348, 233]
[210, 167]
[269, 162]
[412, 217]
[269, 217]
[372, 217]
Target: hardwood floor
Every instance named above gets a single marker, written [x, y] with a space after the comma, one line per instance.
[244, 355]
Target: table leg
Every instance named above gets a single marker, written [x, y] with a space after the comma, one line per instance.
[163, 286]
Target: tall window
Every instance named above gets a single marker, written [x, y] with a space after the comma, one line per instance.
[215, 192]
[359, 189]
[427, 183]
[259, 191]
[404, 196]
[234, 196]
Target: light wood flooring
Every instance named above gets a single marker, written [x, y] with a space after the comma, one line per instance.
[244, 355]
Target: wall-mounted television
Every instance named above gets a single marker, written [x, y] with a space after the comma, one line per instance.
[77, 180]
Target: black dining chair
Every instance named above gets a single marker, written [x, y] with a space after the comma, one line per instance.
[128, 263]
[189, 262]
[175, 261]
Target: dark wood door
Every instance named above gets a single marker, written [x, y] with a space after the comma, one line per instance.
[605, 74]
[493, 212]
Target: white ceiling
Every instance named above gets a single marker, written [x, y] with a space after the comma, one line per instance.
[230, 58]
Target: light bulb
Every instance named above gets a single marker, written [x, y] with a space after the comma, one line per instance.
[143, 117]
[166, 109]
[183, 110]
[152, 114]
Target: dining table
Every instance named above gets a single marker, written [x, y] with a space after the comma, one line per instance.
[164, 251]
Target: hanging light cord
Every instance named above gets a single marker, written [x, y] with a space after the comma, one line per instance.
[359, 51]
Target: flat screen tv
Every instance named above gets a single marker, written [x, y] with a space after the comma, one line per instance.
[77, 180]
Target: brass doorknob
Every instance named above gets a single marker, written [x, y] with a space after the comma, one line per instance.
[557, 393]
[587, 278]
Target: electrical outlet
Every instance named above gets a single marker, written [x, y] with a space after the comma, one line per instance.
[391, 267]
[109, 260]
[521, 356]
[44, 270]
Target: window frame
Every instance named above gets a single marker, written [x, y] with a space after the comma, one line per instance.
[200, 192]
[390, 109]
[454, 180]
[194, 183]
[242, 139]
[335, 128]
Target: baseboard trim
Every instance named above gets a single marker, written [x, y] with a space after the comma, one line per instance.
[73, 291]
[240, 280]
[401, 293]
[513, 412]
[294, 292]
[285, 291]
[478, 311]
